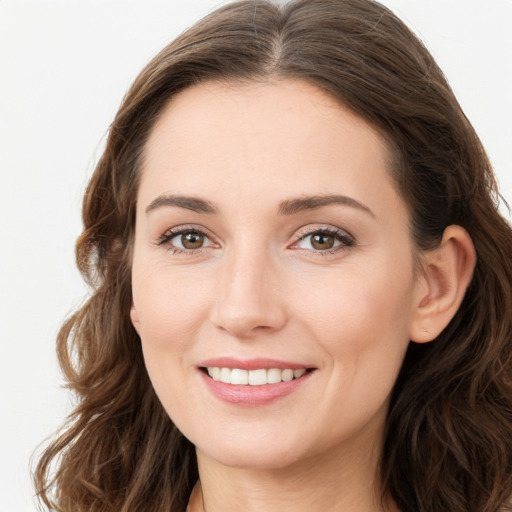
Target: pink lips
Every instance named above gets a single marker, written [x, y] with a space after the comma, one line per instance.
[252, 364]
[251, 396]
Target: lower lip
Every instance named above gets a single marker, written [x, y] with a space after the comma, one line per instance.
[252, 396]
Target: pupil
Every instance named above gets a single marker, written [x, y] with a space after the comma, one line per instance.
[322, 241]
[192, 240]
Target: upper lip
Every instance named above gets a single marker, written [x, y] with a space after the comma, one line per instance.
[252, 364]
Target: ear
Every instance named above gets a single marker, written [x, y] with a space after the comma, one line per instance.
[446, 274]
[134, 317]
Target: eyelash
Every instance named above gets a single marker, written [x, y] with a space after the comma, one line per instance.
[345, 239]
[166, 238]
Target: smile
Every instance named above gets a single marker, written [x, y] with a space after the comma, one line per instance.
[255, 382]
[258, 377]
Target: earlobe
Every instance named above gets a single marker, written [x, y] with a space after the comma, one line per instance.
[447, 272]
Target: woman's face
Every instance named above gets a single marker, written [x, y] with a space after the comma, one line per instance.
[271, 244]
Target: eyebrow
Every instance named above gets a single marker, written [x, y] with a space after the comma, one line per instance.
[288, 207]
[190, 203]
[291, 206]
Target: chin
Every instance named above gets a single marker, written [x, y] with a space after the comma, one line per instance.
[263, 453]
[254, 459]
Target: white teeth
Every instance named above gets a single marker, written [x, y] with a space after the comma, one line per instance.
[225, 375]
[240, 376]
[257, 377]
[274, 376]
[254, 377]
[287, 375]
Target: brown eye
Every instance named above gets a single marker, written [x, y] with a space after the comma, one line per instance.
[322, 241]
[192, 240]
[325, 240]
[186, 240]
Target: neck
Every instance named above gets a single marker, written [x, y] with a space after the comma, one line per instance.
[336, 481]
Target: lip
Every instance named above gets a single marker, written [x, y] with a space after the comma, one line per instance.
[252, 396]
[252, 364]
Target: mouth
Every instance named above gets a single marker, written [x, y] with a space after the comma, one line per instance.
[256, 377]
[255, 382]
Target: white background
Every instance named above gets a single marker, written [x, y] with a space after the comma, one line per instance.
[64, 67]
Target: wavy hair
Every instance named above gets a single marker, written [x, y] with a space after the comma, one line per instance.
[448, 439]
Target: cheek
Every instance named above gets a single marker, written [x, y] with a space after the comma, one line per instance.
[360, 318]
[362, 329]
[354, 295]
[170, 309]
[169, 306]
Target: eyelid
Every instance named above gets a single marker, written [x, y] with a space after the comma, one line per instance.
[170, 233]
[347, 239]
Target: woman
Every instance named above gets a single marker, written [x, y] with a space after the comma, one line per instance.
[301, 281]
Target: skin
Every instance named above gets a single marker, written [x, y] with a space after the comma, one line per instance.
[259, 288]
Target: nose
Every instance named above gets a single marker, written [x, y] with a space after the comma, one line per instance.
[249, 301]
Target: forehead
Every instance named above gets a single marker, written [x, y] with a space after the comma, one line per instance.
[220, 140]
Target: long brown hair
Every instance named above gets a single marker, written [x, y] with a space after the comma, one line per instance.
[448, 444]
